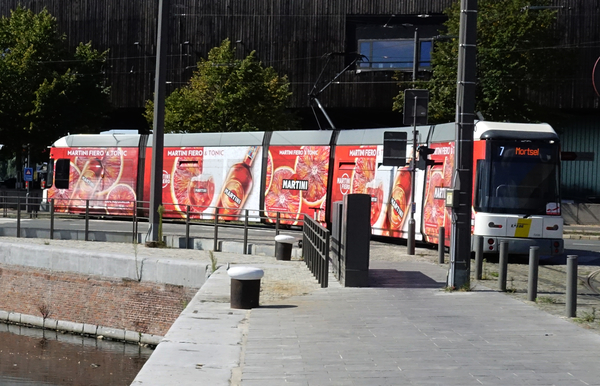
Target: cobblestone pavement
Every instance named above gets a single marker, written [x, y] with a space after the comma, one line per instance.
[552, 279]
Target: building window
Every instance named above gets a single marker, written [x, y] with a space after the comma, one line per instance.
[396, 54]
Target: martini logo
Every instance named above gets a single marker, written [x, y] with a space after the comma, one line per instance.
[166, 178]
[397, 208]
[295, 184]
[344, 183]
[439, 193]
[232, 196]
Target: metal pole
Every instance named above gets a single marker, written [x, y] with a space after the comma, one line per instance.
[534, 261]
[18, 216]
[459, 274]
[416, 56]
[410, 244]
[27, 182]
[216, 229]
[51, 218]
[441, 244]
[571, 300]
[187, 227]
[478, 257]
[87, 218]
[246, 232]
[159, 118]
[503, 266]
[134, 232]
[277, 223]
[325, 282]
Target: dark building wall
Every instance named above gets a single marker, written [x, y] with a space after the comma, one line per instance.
[291, 36]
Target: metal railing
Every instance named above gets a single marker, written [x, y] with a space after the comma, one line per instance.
[136, 212]
[315, 249]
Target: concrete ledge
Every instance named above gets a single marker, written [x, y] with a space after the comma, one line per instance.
[78, 328]
[73, 327]
[111, 333]
[203, 345]
[165, 271]
[90, 329]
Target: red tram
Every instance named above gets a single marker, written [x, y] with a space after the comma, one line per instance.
[301, 173]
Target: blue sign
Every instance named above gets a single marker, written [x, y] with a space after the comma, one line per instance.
[28, 174]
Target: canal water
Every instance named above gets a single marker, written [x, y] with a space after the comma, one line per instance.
[31, 357]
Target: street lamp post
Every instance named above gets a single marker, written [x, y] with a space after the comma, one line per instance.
[159, 118]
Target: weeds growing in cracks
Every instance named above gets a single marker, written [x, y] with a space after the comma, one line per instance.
[213, 261]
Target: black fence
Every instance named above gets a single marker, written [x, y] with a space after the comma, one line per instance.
[315, 248]
[34, 206]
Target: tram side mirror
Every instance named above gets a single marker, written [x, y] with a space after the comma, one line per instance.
[61, 173]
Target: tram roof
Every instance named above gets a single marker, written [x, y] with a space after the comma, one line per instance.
[486, 129]
[375, 136]
[248, 138]
[95, 140]
[301, 137]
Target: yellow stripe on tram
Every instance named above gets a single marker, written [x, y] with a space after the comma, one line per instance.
[523, 226]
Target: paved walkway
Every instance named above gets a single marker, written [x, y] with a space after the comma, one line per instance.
[403, 330]
[406, 330]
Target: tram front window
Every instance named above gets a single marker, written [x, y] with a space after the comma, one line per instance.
[519, 177]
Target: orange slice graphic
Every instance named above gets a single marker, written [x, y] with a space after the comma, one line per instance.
[313, 166]
[120, 199]
[278, 199]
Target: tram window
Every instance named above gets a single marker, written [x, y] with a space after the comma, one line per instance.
[61, 173]
[481, 181]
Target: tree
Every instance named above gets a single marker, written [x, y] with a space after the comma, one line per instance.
[46, 91]
[225, 94]
[516, 59]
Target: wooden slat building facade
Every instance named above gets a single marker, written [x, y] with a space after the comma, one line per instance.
[294, 37]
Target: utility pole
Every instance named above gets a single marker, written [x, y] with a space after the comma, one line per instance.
[460, 251]
[410, 243]
[159, 118]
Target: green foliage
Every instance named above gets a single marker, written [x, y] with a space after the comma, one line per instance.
[545, 300]
[227, 94]
[516, 58]
[46, 91]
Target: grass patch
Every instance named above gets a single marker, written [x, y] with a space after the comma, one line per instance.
[545, 300]
[213, 261]
[464, 288]
[587, 317]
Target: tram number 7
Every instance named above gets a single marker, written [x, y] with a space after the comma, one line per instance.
[501, 150]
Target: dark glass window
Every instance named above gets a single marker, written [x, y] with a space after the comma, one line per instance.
[397, 54]
[520, 177]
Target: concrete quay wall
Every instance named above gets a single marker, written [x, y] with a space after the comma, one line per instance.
[120, 296]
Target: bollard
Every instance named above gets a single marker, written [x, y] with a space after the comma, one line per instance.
[534, 262]
[571, 300]
[283, 247]
[503, 266]
[478, 257]
[441, 244]
[245, 287]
